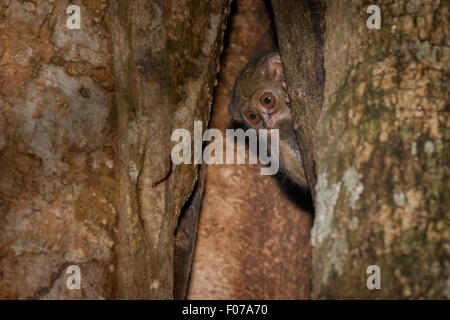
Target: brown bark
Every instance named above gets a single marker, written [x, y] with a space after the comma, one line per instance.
[85, 124]
[166, 57]
[58, 185]
[253, 238]
[300, 26]
[381, 151]
[79, 160]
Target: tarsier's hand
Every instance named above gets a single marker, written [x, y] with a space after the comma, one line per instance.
[260, 101]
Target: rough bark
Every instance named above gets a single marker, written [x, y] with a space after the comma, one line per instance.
[382, 150]
[300, 27]
[166, 59]
[57, 171]
[253, 238]
[81, 142]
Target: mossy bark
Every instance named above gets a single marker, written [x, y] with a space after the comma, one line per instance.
[381, 151]
[380, 147]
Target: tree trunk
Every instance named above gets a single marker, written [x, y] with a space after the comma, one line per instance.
[164, 81]
[382, 150]
[86, 179]
[85, 147]
[380, 146]
[253, 235]
[300, 27]
[58, 186]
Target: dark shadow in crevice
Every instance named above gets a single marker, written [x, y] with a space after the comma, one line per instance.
[186, 236]
[298, 195]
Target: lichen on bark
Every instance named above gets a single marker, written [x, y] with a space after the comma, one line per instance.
[385, 118]
[85, 126]
[57, 170]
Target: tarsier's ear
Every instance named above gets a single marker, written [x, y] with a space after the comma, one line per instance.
[272, 65]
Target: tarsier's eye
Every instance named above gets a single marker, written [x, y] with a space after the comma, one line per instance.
[267, 100]
[253, 117]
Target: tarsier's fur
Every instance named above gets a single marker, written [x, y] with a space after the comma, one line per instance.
[263, 74]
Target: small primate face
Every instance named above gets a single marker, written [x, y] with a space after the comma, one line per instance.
[259, 99]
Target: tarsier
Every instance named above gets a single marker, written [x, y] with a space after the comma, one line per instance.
[260, 101]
